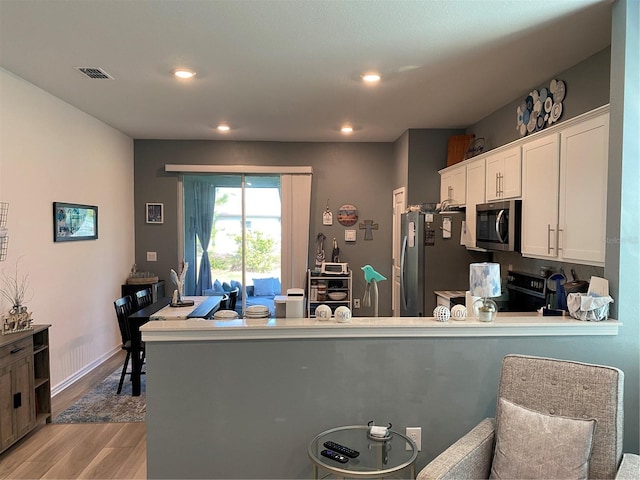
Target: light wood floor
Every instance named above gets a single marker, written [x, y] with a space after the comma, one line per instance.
[69, 451]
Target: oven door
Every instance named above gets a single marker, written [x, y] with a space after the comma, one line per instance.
[520, 301]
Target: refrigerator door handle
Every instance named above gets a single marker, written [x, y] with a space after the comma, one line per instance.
[403, 258]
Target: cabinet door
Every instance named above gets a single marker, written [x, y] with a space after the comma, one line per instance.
[540, 184]
[475, 195]
[453, 184]
[504, 174]
[7, 433]
[23, 387]
[584, 152]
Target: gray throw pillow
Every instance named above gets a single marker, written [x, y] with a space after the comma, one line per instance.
[533, 445]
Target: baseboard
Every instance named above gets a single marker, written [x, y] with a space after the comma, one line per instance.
[56, 389]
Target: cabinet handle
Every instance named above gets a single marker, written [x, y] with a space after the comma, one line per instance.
[497, 187]
[16, 350]
[549, 230]
[501, 185]
[558, 247]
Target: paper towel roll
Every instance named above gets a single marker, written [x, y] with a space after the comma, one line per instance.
[469, 300]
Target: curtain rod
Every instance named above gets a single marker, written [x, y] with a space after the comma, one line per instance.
[301, 170]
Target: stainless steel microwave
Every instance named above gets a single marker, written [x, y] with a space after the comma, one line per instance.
[498, 225]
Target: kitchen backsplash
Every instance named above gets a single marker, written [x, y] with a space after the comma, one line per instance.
[532, 265]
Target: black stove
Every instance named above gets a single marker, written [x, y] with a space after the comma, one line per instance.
[527, 292]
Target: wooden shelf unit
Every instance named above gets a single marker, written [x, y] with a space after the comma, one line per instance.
[25, 383]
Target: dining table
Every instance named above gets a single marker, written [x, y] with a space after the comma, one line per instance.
[162, 309]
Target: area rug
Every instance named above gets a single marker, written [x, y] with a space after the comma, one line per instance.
[103, 405]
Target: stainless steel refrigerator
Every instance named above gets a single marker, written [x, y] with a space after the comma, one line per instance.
[430, 262]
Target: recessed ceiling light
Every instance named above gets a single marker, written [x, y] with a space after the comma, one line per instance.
[347, 129]
[184, 73]
[371, 77]
[223, 128]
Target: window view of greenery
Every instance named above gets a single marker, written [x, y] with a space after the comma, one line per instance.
[262, 234]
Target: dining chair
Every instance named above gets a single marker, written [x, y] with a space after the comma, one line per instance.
[143, 298]
[124, 308]
[233, 298]
[224, 301]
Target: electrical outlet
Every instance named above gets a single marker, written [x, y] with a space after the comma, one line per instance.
[356, 303]
[415, 434]
[152, 256]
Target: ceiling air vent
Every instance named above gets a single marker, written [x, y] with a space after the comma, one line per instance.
[94, 72]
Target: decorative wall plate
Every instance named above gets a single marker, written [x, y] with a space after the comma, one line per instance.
[540, 108]
[347, 215]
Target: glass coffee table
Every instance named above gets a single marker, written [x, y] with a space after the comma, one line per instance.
[376, 458]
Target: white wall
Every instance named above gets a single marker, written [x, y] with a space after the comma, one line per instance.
[50, 151]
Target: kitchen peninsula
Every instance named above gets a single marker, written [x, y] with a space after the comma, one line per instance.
[238, 399]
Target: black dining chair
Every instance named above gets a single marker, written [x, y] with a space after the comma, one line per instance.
[143, 298]
[233, 298]
[124, 308]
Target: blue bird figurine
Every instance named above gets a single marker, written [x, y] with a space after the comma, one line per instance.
[370, 274]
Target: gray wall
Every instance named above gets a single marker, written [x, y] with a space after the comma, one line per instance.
[248, 409]
[343, 173]
[427, 155]
[587, 88]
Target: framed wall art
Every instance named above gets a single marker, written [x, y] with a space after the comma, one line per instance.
[73, 221]
[155, 212]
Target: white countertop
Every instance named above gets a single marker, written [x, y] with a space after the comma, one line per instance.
[505, 325]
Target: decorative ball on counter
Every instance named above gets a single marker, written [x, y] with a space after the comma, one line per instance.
[343, 314]
[323, 312]
[441, 313]
[458, 312]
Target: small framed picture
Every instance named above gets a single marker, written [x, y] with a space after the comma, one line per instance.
[155, 212]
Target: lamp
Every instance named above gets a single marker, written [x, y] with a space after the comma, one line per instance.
[484, 282]
[372, 278]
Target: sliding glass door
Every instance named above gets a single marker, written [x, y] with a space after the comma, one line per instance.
[232, 231]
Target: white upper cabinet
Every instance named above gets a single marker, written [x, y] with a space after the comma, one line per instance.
[584, 151]
[540, 183]
[475, 196]
[504, 174]
[453, 184]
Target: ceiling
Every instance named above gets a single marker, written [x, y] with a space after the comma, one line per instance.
[289, 70]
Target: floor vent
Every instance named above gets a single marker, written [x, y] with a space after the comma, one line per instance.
[94, 72]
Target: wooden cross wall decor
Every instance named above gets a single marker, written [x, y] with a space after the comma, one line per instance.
[368, 226]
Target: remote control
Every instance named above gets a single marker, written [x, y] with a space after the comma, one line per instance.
[334, 456]
[336, 447]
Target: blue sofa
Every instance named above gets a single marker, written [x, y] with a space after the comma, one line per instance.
[262, 292]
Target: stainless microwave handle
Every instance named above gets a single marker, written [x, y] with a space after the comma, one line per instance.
[498, 218]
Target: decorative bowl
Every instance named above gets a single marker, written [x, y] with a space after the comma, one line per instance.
[337, 295]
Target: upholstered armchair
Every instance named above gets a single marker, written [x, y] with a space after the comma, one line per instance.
[554, 419]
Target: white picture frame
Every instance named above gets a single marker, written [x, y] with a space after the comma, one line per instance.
[154, 213]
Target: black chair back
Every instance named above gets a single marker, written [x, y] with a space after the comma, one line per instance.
[124, 308]
[233, 298]
[224, 302]
[144, 298]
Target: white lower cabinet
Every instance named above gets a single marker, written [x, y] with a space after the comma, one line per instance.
[564, 193]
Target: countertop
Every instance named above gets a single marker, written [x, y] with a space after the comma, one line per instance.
[505, 324]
